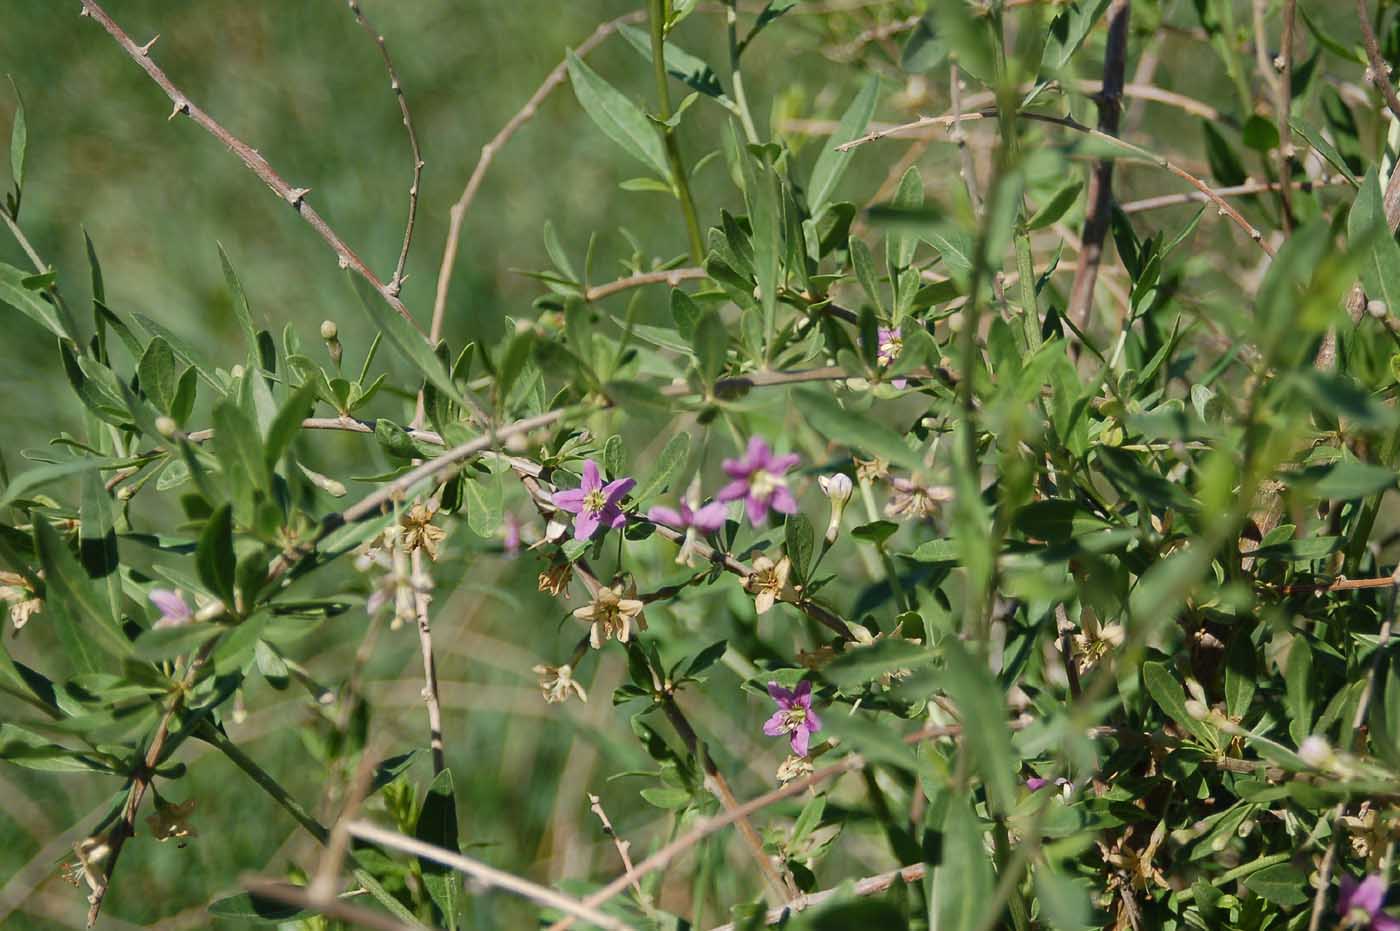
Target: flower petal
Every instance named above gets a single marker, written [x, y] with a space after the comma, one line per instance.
[570, 500]
[736, 468]
[780, 695]
[664, 515]
[171, 604]
[585, 525]
[782, 501]
[733, 491]
[710, 518]
[814, 723]
[1368, 895]
[757, 510]
[616, 490]
[758, 454]
[799, 741]
[803, 693]
[612, 516]
[591, 479]
[775, 725]
[780, 464]
[1383, 922]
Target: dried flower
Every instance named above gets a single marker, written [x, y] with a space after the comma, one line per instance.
[838, 488]
[694, 520]
[91, 851]
[794, 767]
[168, 822]
[767, 582]
[557, 682]
[794, 716]
[23, 602]
[864, 638]
[420, 531]
[1359, 904]
[610, 614]
[594, 503]
[757, 478]
[556, 578]
[174, 612]
[912, 500]
[871, 470]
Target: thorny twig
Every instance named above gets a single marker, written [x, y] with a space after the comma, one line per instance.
[396, 282]
[250, 157]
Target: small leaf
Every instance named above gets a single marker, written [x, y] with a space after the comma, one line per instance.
[858, 431]
[19, 139]
[214, 557]
[437, 825]
[1298, 684]
[799, 540]
[672, 458]
[30, 303]
[1282, 884]
[619, 119]
[1056, 206]
[831, 164]
[1171, 698]
[412, 344]
[876, 532]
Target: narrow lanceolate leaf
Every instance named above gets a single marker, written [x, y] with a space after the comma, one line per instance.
[437, 825]
[619, 118]
[987, 737]
[963, 883]
[761, 191]
[97, 540]
[81, 610]
[29, 302]
[215, 560]
[410, 343]
[241, 310]
[19, 140]
[1367, 230]
[859, 431]
[831, 164]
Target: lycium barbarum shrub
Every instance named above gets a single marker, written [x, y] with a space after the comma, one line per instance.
[1027, 510]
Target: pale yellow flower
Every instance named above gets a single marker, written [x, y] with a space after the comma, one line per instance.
[610, 615]
[557, 682]
[768, 582]
[420, 531]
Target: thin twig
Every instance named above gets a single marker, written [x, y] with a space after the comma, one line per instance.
[488, 155]
[1100, 192]
[1237, 190]
[1286, 149]
[430, 678]
[671, 276]
[487, 875]
[870, 885]
[852, 763]
[1135, 151]
[141, 781]
[396, 283]
[595, 805]
[301, 897]
[1379, 72]
[968, 168]
[250, 157]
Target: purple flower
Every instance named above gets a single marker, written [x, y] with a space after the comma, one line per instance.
[707, 519]
[794, 716]
[888, 348]
[510, 534]
[174, 612]
[758, 479]
[1361, 904]
[594, 503]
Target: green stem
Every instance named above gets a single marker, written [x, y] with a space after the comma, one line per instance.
[736, 77]
[1025, 271]
[657, 9]
[212, 735]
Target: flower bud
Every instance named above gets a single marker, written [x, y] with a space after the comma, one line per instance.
[1315, 751]
[837, 487]
[1197, 710]
[329, 330]
[236, 371]
[166, 427]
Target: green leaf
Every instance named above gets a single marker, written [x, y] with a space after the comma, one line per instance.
[864, 265]
[985, 734]
[1240, 674]
[33, 479]
[1068, 31]
[876, 531]
[1171, 698]
[156, 372]
[858, 431]
[1323, 148]
[761, 194]
[1368, 232]
[925, 49]
[241, 310]
[831, 164]
[619, 119]
[691, 71]
[215, 560]
[707, 658]
[254, 909]
[97, 540]
[799, 540]
[856, 665]
[672, 458]
[1282, 884]
[1056, 206]
[900, 242]
[30, 303]
[239, 448]
[19, 139]
[437, 825]
[964, 881]
[168, 642]
[1346, 480]
[80, 608]
[485, 504]
[287, 424]
[711, 345]
[1298, 687]
[412, 344]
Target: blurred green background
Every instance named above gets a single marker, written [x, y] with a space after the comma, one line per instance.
[302, 83]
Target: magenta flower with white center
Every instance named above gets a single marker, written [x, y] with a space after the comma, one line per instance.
[1359, 904]
[758, 479]
[174, 612]
[705, 519]
[794, 716]
[594, 503]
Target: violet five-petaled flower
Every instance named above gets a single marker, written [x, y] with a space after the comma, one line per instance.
[794, 716]
[757, 478]
[1359, 904]
[705, 519]
[173, 609]
[594, 503]
[889, 345]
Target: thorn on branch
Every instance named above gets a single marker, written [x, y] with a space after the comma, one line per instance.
[145, 50]
[298, 194]
[181, 106]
